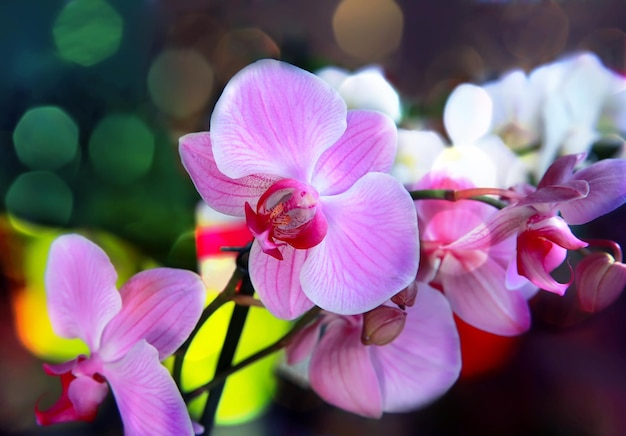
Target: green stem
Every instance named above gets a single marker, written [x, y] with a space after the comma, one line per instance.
[225, 359]
[270, 349]
[222, 298]
[478, 194]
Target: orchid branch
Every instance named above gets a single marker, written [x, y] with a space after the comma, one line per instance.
[229, 347]
[281, 343]
[229, 292]
[477, 194]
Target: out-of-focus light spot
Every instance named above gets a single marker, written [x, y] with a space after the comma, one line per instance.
[30, 307]
[180, 82]
[41, 197]
[535, 32]
[368, 29]
[241, 47]
[87, 31]
[121, 148]
[195, 30]
[456, 64]
[45, 138]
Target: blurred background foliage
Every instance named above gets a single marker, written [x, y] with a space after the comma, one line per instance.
[94, 95]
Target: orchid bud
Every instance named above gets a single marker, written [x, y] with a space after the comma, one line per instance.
[600, 280]
[382, 325]
[406, 297]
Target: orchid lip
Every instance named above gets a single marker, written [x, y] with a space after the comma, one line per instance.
[288, 213]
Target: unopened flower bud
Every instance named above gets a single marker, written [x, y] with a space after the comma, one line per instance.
[406, 297]
[599, 280]
[382, 325]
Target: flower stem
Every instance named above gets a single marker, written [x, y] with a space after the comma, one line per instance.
[276, 346]
[477, 194]
[222, 298]
[225, 359]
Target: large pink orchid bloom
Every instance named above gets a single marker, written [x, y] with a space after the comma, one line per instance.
[544, 237]
[128, 333]
[331, 228]
[474, 279]
[416, 368]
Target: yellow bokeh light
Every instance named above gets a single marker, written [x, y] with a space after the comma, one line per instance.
[368, 29]
[247, 392]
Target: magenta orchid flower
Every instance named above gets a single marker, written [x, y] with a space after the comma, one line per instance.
[544, 237]
[128, 333]
[473, 278]
[331, 228]
[415, 368]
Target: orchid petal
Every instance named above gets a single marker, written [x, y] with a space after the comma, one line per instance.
[497, 228]
[222, 193]
[417, 151]
[368, 89]
[341, 370]
[278, 281]
[425, 360]
[160, 305]
[274, 118]
[607, 191]
[570, 191]
[556, 122]
[147, 397]
[370, 252]
[467, 114]
[303, 343]
[332, 75]
[561, 170]
[478, 296]
[586, 89]
[86, 394]
[368, 144]
[536, 257]
[467, 162]
[79, 400]
[80, 284]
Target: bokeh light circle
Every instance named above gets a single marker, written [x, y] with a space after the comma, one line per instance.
[368, 29]
[180, 82]
[87, 31]
[121, 148]
[535, 32]
[241, 47]
[45, 138]
[41, 197]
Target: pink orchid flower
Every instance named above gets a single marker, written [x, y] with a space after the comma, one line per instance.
[331, 228]
[128, 333]
[473, 278]
[415, 368]
[544, 237]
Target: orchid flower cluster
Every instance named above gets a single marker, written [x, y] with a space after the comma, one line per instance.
[373, 266]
